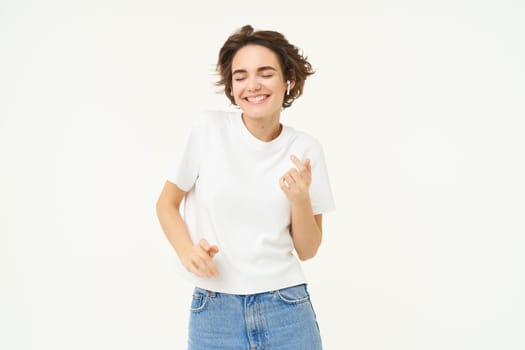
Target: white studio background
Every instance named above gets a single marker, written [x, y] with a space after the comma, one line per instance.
[419, 106]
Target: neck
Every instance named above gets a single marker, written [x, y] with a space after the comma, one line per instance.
[266, 129]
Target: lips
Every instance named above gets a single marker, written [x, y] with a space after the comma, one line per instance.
[256, 99]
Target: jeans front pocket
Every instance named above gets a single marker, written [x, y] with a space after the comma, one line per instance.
[294, 295]
[199, 299]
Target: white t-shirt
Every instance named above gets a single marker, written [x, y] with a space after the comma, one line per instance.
[235, 201]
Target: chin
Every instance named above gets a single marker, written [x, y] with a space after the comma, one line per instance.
[259, 111]
[251, 113]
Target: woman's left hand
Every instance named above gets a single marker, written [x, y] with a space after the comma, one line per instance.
[295, 183]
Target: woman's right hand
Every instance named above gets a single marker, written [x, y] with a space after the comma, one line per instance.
[198, 259]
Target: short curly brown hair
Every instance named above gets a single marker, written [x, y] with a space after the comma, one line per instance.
[294, 65]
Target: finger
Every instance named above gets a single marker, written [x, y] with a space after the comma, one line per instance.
[282, 184]
[206, 266]
[297, 162]
[282, 181]
[213, 250]
[207, 252]
[209, 249]
[289, 180]
[212, 269]
[308, 164]
[294, 174]
[203, 243]
[195, 268]
[200, 261]
[190, 267]
[285, 186]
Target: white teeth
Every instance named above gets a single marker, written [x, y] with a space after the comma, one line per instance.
[256, 98]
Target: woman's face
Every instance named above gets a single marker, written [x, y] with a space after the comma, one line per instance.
[258, 84]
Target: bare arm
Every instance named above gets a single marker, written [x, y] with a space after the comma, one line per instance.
[197, 258]
[306, 228]
[306, 231]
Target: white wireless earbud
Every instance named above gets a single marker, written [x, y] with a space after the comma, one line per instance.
[288, 89]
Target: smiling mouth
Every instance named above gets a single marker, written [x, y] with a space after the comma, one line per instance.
[256, 99]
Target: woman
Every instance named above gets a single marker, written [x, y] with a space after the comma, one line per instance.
[254, 191]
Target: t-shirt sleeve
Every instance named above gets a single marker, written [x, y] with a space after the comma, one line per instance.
[185, 169]
[321, 194]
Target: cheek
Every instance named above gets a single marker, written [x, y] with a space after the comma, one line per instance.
[236, 87]
[277, 86]
[235, 93]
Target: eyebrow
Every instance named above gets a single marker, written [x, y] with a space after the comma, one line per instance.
[258, 69]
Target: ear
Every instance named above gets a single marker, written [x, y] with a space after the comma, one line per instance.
[291, 75]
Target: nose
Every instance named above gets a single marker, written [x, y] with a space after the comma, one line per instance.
[253, 84]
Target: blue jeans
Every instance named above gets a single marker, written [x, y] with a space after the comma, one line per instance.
[279, 320]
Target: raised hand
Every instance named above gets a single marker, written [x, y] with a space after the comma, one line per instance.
[295, 183]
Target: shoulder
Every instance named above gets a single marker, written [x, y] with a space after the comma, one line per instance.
[306, 141]
[305, 145]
